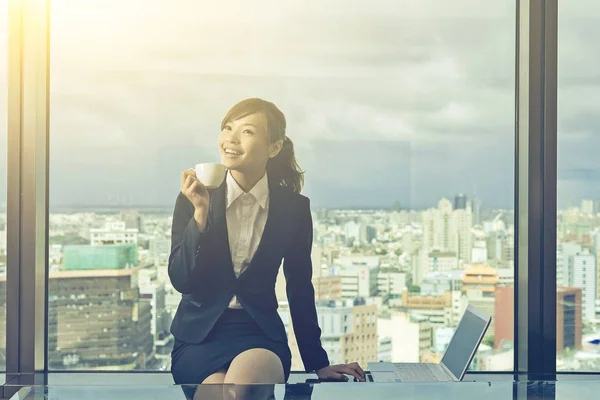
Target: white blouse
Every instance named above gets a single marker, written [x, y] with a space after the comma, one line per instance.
[246, 218]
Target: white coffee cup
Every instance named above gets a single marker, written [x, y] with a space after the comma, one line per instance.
[210, 175]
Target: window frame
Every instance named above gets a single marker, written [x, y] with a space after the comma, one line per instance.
[535, 191]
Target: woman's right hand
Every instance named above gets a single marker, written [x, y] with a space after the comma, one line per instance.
[198, 195]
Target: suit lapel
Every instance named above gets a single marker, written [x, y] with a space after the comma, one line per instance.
[219, 224]
[276, 220]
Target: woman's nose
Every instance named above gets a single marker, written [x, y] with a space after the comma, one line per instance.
[233, 136]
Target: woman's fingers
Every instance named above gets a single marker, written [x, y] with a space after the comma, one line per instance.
[187, 173]
[350, 370]
[358, 368]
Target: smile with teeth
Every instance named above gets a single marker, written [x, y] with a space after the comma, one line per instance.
[234, 152]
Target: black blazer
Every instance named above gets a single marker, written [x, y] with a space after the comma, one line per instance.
[200, 267]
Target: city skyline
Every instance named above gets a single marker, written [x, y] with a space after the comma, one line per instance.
[416, 270]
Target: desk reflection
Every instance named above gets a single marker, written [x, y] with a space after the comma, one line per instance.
[496, 390]
[299, 391]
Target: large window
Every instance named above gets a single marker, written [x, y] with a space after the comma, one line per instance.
[3, 175]
[578, 224]
[402, 116]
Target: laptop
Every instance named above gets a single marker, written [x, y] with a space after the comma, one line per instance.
[454, 364]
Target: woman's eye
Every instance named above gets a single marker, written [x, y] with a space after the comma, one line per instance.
[248, 131]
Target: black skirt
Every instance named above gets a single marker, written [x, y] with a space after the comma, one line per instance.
[235, 332]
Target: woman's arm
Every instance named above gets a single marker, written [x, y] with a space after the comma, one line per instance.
[297, 267]
[187, 243]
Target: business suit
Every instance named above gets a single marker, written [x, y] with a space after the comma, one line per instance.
[200, 267]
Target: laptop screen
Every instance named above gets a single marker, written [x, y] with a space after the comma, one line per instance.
[465, 341]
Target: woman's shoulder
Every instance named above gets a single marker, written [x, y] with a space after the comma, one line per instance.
[298, 199]
[295, 203]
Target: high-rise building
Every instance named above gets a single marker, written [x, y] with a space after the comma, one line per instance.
[153, 292]
[411, 334]
[436, 283]
[460, 201]
[568, 317]
[352, 229]
[336, 287]
[480, 277]
[438, 309]
[3, 243]
[367, 233]
[360, 268]
[360, 344]
[484, 301]
[476, 210]
[585, 277]
[419, 264]
[86, 257]
[359, 261]
[576, 266]
[448, 230]
[500, 249]
[504, 311]
[464, 224]
[442, 262]
[479, 252]
[564, 271]
[506, 276]
[97, 321]
[587, 206]
[479, 287]
[598, 274]
[133, 220]
[390, 282]
[348, 333]
[596, 206]
[114, 233]
[316, 257]
[439, 228]
[159, 249]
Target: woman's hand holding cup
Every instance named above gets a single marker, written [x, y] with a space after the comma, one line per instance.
[198, 195]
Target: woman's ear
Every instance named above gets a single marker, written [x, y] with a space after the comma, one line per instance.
[275, 148]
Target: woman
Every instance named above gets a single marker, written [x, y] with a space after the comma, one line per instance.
[227, 247]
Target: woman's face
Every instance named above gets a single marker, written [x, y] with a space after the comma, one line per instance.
[244, 144]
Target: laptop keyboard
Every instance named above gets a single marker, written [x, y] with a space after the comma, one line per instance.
[421, 372]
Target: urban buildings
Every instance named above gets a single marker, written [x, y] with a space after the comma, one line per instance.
[396, 294]
[569, 321]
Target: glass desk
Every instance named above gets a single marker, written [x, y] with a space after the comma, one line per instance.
[573, 390]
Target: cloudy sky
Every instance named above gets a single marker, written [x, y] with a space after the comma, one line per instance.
[411, 100]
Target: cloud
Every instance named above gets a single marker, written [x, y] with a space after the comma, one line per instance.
[142, 86]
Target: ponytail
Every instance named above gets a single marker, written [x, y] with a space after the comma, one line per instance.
[284, 169]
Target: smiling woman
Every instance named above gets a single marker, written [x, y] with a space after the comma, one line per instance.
[401, 119]
[232, 334]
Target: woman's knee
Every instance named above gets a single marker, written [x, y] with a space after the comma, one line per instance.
[256, 366]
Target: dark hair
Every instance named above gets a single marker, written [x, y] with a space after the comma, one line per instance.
[283, 168]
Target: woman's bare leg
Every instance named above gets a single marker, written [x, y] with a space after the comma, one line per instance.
[253, 374]
[212, 386]
[255, 366]
[217, 377]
